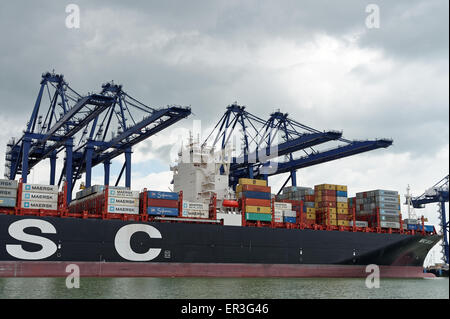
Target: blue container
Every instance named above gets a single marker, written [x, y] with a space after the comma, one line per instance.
[166, 211]
[411, 227]
[7, 202]
[305, 209]
[341, 194]
[256, 195]
[309, 204]
[289, 219]
[162, 195]
[428, 228]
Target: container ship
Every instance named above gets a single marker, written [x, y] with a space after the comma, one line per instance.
[205, 229]
[221, 219]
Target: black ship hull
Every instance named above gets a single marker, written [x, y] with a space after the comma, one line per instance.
[31, 246]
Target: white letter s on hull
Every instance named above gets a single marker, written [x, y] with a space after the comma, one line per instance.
[16, 230]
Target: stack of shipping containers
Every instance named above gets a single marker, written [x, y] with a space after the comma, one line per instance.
[255, 198]
[294, 195]
[8, 193]
[342, 211]
[123, 201]
[195, 210]
[325, 203]
[35, 196]
[162, 203]
[386, 202]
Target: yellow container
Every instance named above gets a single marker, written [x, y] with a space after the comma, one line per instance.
[342, 188]
[258, 209]
[343, 211]
[343, 223]
[341, 205]
[310, 215]
[238, 188]
[325, 186]
[310, 210]
[316, 205]
[324, 216]
[249, 181]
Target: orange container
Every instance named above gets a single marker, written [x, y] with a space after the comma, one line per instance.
[256, 188]
[257, 202]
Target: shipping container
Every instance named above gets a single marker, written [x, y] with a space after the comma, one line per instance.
[257, 202]
[39, 205]
[359, 223]
[343, 223]
[257, 195]
[289, 220]
[6, 183]
[8, 192]
[40, 197]
[341, 188]
[258, 209]
[162, 203]
[38, 188]
[289, 213]
[166, 211]
[342, 205]
[249, 181]
[325, 186]
[282, 205]
[389, 225]
[114, 209]
[162, 195]
[125, 201]
[257, 216]
[7, 202]
[311, 216]
[195, 213]
[123, 193]
[194, 205]
[252, 188]
[341, 194]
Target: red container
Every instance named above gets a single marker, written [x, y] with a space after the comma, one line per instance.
[293, 202]
[256, 188]
[344, 217]
[162, 203]
[257, 202]
[325, 192]
[309, 198]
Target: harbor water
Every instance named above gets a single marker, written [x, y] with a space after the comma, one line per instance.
[223, 288]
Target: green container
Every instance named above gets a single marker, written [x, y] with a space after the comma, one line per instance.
[258, 216]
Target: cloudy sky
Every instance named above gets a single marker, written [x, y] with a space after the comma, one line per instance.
[316, 60]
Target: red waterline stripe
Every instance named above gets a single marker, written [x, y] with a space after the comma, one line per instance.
[140, 269]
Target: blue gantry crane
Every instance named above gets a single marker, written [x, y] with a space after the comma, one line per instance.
[438, 193]
[79, 125]
[279, 136]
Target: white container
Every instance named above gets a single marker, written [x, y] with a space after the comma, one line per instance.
[278, 219]
[123, 193]
[40, 197]
[341, 199]
[39, 205]
[195, 213]
[230, 219]
[197, 206]
[359, 223]
[121, 201]
[7, 183]
[389, 225]
[282, 206]
[8, 192]
[113, 209]
[39, 188]
[290, 213]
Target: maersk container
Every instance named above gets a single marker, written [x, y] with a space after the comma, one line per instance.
[8, 192]
[6, 183]
[123, 193]
[117, 209]
[282, 206]
[7, 202]
[39, 205]
[39, 188]
[40, 197]
[389, 225]
[162, 211]
[290, 213]
[411, 221]
[382, 192]
[195, 213]
[162, 195]
[123, 201]
[389, 212]
[359, 223]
